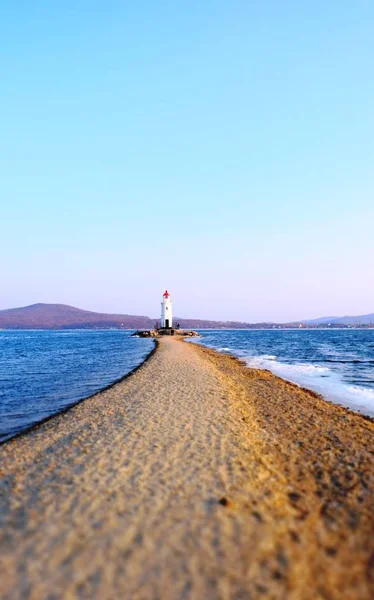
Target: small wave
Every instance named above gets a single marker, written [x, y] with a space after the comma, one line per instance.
[65, 333]
[362, 392]
[262, 362]
[364, 361]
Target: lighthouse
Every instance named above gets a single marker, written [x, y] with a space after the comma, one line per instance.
[166, 311]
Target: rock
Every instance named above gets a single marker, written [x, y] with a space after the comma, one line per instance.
[145, 333]
[184, 333]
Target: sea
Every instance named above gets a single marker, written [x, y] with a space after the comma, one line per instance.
[336, 363]
[44, 372]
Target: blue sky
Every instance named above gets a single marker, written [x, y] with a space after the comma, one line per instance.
[224, 150]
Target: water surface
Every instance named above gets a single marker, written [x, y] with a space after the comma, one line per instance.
[43, 372]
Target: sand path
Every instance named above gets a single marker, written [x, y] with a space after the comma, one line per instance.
[120, 496]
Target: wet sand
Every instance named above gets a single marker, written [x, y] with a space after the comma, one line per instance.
[195, 478]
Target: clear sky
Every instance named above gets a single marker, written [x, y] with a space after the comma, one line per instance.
[221, 149]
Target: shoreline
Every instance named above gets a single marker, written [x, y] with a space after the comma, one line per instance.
[76, 402]
[283, 380]
[299, 386]
[332, 388]
[212, 479]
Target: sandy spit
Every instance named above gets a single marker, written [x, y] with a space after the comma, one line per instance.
[195, 478]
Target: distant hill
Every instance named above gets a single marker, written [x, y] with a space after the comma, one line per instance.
[358, 320]
[62, 316]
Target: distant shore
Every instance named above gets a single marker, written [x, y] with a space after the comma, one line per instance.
[195, 477]
[63, 316]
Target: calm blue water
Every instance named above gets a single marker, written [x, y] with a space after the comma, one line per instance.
[339, 364]
[43, 372]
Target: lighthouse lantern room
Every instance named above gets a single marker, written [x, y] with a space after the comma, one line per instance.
[166, 311]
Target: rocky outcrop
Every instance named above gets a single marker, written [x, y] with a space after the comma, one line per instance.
[153, 333]
[150, 333]
[184, 333]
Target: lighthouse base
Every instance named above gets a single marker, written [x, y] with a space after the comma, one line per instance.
[166, 330]
[163, 331]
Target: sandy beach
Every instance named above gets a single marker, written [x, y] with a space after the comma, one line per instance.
[194, 478]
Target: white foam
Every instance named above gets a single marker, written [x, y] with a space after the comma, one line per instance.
[319, 379]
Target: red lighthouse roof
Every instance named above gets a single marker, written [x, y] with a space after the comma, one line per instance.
[166, 294]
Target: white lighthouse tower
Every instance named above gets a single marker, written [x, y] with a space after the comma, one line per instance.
[166, 311]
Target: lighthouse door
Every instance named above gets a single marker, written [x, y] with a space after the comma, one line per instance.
[167, 323]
